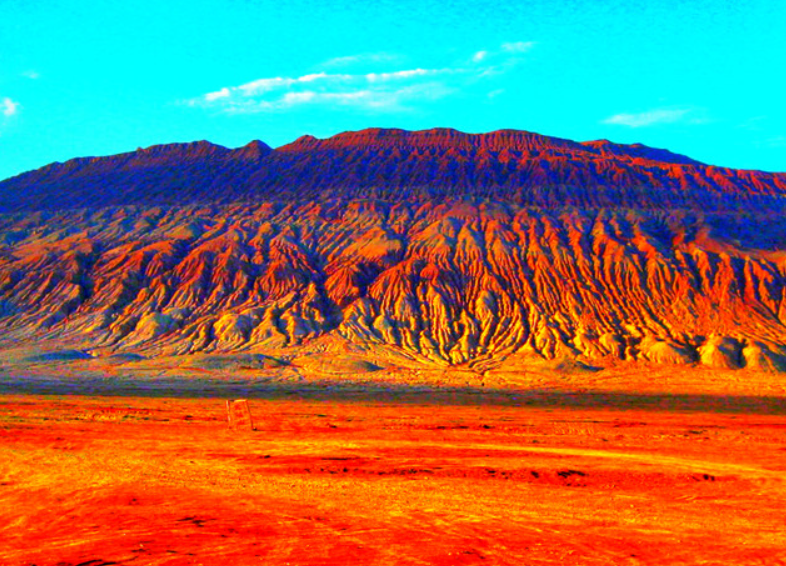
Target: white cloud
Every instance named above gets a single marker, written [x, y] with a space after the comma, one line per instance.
[375, 91]
[500, 60]
[8, 107]
[371, 91]
[360, 59]
[374, 77]
[32, 74]
[223, 93]
[388, 99]
[651, 118]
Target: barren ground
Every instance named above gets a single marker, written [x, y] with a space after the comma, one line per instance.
[418, 477]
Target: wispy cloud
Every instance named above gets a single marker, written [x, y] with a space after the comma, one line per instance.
[381, 91]
[31, 74]
[655, 117]
[361, 59]
[372, 91]
[479, 56]
[8, 107]
[505, 52]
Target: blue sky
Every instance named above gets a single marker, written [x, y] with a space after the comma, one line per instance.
[703, 78]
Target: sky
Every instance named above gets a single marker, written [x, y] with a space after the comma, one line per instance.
[702, 78]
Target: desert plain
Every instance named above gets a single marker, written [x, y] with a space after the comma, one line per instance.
[426, 466]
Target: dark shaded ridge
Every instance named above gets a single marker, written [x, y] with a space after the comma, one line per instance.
[160, 174]
[512, 166]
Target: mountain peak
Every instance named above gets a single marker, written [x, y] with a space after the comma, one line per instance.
[253, 151]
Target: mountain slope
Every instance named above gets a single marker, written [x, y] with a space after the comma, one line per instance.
[408, 241]
[156, 175]
[454, 283]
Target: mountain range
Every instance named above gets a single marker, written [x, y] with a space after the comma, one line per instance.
[455, 249]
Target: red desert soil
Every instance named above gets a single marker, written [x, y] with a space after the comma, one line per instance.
[419, 479]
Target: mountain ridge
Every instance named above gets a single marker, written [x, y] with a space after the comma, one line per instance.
[307, 140]
[514, 165]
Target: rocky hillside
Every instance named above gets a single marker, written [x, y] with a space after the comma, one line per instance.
[465, 250]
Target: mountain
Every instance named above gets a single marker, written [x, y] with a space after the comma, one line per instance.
[459, 249]
[512, 166]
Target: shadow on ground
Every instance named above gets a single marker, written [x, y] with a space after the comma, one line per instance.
[386, 393]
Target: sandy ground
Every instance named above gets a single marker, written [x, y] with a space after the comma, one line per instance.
[395, 478]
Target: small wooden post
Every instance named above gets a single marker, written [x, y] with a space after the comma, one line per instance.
[239, 415]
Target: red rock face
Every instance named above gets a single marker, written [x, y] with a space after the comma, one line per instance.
[459, 248]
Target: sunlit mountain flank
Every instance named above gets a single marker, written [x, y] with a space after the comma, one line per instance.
[465, 250]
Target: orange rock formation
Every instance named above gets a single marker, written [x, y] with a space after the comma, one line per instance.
[461, 248]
